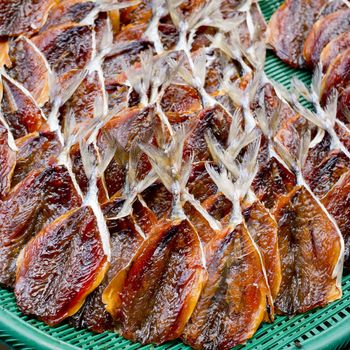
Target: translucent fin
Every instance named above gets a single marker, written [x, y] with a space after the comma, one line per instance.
[174, 173]
[90, 163]
[318, 138]
[152, 33]
[105, 6]
[208, 14]
[71, 136]
[324, 118]
[175, 15]
[231, 191]
[59, 97]
[191, 80]
[133, 186]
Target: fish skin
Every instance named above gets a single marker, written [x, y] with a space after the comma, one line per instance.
[137, 296]
[29, 68]
[70, 250]
[287, 31]
[336, 202]
[180, 103]
[35, 151]
[125, 240]
[40, 198]
[68, 11]
[336, 77]
[264, 231]
[333, 6]
[67, 48]
[323, 31]
[326, 174]
[343, 106]
[20, 111]
[273, 180]
[23, 17]
[305, 231]
[235, 283]
[333, 49]
[136, 14]
[136, 239]
[212, 118]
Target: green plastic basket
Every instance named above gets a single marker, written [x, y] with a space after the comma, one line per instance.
[327, 328]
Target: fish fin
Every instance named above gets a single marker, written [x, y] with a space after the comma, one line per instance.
[331, 108]
[285, 155]
[230, 190]
[316, 81]
[300, 89]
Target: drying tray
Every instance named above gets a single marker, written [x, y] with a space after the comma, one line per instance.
[327, 328]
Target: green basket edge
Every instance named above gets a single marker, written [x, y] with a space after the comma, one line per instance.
[14, 327]
[337, 336]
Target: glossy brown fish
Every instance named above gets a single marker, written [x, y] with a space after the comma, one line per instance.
[136, 14]
[310, 248]
[343, 106]
[4, 53]
[234, 299]
[35, 151]
[200, 184]
[317, 154]
[125, 240]
[180, 103]
[127, 54]
[326, 174]
[289, 27]
[333, 6]
[29, 67]
[60, 267]
[343, 133]
[289, 133]
[130, 33]
[130, 125]
[81, 177]
[264, 231]
[334, 48]
[126, 129]
[141, 297]
[20, 110]
[23, 17]
[169, 35]
[205, 232]
[337, 76]
[213, 119]
[158, 199]
[67, 48]
[118, 94]
[65, 11]
[272, 180]
[336, 202]
[35, 202]
[323, 31]
[81, 106]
